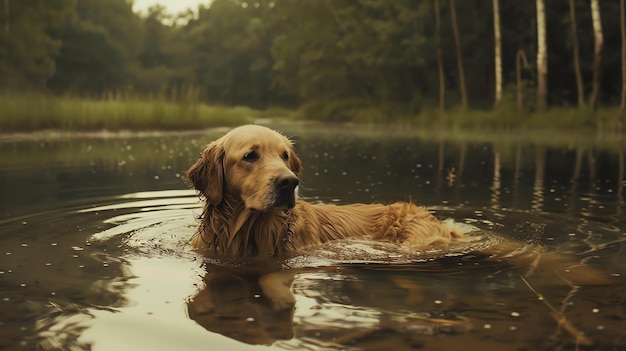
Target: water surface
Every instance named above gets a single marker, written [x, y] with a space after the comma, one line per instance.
[94, 246]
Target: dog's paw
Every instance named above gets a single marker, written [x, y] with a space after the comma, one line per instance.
[283, 302]
[202, 306]
[277, 288]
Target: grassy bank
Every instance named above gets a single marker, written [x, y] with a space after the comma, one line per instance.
[23, 113]
[35, 112]
[504, 117]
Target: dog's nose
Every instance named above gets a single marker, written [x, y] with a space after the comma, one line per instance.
[287, 182]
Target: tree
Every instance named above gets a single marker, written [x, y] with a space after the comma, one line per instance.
[579, 77]
[442, 76]
[597, 52]
[622, 15]
[497, 51]
[7, 18]
[166, 65]
[520, 59]
[459, 54]
[30, 45]
[542, 57]
[99, 50]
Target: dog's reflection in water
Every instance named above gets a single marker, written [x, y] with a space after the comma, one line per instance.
[246, 305]
[257, 306]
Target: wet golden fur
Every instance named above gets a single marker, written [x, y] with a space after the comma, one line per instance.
[245, 213]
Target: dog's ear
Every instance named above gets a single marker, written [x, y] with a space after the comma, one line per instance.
[207, 174]
[295, 164]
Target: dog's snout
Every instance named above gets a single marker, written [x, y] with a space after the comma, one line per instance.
[287, 181]
[286, 190]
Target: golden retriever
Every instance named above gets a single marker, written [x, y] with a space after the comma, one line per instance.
[250, 179]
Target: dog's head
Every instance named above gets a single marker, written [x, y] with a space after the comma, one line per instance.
[254, 164]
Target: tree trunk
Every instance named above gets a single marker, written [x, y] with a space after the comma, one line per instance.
[542, 57]
[519, 59]
[579, 77]
[459, 55]
[498, 51]
[442, 84]
[6, 18]
[597, 52]
[622, 16]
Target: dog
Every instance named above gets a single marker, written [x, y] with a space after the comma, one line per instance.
[250, 178]
[249, 181]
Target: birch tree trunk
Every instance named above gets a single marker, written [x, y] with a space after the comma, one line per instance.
[579, 77]
[622, 16]
[442, 84]
[597, 52]
[542, 57]
[498, 51]
[459, 55]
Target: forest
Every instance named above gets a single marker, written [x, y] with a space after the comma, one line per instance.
[334, 60]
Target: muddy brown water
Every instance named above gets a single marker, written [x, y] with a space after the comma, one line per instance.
[94, 253]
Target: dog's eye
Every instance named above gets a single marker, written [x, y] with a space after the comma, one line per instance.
[285, 155]
[251, 156]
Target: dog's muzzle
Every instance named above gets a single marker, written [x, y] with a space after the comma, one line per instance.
[286, 186]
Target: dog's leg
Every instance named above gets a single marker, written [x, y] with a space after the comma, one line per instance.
[203, 302]
[277, 288]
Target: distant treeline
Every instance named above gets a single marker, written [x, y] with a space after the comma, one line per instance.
[392, 55]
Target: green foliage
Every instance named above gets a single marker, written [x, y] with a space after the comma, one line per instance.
[28, 45]
[29, 112]
[370, 61]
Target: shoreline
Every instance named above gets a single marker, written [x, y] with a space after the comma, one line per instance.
[540, 136]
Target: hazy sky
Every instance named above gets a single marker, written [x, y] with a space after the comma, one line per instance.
[172, 6]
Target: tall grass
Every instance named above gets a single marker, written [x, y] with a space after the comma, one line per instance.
[504, 117]
[33, 112]
[27, 112]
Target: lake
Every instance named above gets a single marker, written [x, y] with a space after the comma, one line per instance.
[94, 254]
